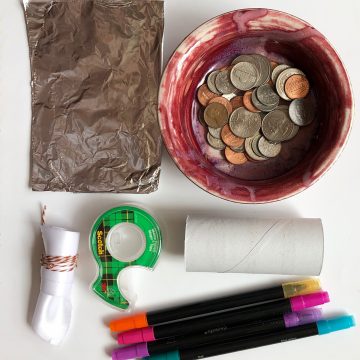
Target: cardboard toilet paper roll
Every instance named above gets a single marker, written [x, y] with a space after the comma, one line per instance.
[259, 246]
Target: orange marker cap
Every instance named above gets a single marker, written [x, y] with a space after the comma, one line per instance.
[132, 322]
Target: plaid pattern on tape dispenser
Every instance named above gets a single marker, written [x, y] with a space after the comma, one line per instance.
[121, 237]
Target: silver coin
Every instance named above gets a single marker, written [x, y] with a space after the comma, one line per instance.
[223, 82]
[264, 68]
[259, 105]
[243, 58]
[267, 95]
[293, 133]
[277, 126]
[276, 72]
[215, 143]
[302, 111]
[244, 75]
[244, 123]
[211, 82]
[268, 148]
[249, 150]
[255, 144]
[215, 132]
[281, 80]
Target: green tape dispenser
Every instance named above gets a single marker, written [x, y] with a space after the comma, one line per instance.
[121, 237]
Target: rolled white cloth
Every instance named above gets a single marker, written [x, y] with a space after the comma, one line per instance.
[52, 315]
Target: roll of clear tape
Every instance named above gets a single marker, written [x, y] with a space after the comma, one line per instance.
[258, 246]
[52, 316]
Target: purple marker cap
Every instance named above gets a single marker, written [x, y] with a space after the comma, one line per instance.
[136, 336]
[302, 317]
[136, 351]
[307, 301]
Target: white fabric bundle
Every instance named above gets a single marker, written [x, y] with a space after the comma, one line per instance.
[52, 314]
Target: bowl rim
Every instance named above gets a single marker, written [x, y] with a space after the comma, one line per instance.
[284, 195]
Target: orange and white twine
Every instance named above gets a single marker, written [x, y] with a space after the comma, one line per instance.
[59, 263]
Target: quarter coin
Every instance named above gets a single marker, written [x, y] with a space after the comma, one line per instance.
[264, 69]
[216, 115]
[277, 126]
[302, 111]
[269, 149]
[244, 123]
[267, 96]
[250, 152]
[259, 105]
[244, 75]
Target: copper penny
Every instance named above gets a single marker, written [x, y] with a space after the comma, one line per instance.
[221, 100]
[236, 158]
[297, 87]
[237, 102]
[216, 115]
[204, 95]
[248, 104]
[230, 139]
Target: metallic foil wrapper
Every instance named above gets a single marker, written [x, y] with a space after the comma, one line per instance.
[96, 67]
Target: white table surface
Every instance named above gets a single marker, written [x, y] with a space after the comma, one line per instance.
[335, 199]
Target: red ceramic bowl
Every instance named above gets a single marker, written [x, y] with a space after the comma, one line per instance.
[282, 38]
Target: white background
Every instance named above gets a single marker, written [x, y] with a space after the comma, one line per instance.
[335, 199]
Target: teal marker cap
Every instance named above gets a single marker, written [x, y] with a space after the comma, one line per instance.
[337, 324]
[172, 355]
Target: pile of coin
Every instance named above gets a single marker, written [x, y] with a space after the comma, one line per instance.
[246, 110]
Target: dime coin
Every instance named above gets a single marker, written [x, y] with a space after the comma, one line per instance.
[230, 139]
[269, 149]
[215, 143]
[281, 80]
[211, 82]
[267, 95]
[259, 105]
[233, 157]
[297, 87]
[215, 132]
[244, 75]
[277, 126]
[244, 123]
[302, 111]
[276, 72]
[250, 152]
[216, 115]
[237, 102]
[264, 69]
[223, 82]
[248, 102]
[204, 95]
[221, 100]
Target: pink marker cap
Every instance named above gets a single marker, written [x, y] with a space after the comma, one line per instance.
[307, 301]
[137, 351]
[136, 336]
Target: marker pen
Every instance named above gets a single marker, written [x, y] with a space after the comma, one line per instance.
[205, 307]
[213, 321]
[280, 322]
[321, 327]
